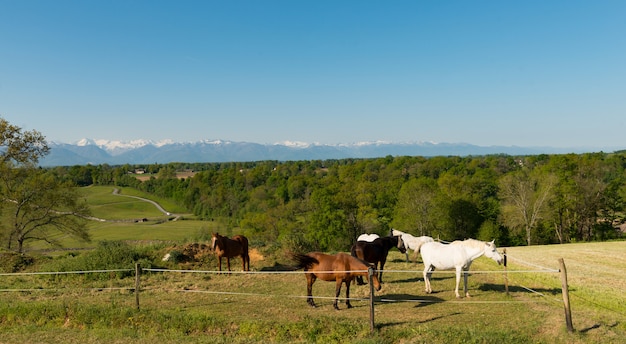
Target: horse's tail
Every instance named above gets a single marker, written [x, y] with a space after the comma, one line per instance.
[304, 261]
[243, 241]
[357, 251]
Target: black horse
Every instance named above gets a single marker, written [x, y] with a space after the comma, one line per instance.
[375, 252]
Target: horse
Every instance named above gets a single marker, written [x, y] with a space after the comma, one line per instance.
[375, 252]
[229, 248]
[458, 255]
[368, 237]
[341, 268]
[411, 242]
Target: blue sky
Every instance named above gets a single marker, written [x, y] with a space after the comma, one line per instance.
[525, 73]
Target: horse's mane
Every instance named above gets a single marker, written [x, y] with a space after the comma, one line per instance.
[368, 264]
[473, 243]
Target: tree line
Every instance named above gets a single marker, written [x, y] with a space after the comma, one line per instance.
[325, 204]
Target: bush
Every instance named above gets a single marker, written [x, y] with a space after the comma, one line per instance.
[108, 255]
[13, 262]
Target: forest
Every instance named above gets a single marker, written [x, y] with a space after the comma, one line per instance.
[325, 204]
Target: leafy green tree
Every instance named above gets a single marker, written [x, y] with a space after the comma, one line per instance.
[35, 205]
[525, 195]
[415, 210]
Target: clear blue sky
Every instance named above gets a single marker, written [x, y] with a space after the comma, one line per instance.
[526, 73]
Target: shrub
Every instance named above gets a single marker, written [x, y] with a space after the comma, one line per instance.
[13, 262]
[108, 255]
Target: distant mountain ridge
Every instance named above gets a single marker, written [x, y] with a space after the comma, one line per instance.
[96, 152]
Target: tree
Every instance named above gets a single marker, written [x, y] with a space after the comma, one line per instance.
[36, 206]
[525, 195]
[20, 148]
[39, 208]
[415, 211]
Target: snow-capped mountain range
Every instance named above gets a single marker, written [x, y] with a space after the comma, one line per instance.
[95, 152]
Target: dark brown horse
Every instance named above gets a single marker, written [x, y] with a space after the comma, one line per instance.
[229, 248]
[341, 268]
[375, 252]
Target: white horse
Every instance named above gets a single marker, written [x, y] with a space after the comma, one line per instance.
[411, 242]
[368, 237]
[458, 255]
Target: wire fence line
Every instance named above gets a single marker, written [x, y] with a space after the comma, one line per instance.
[270, 272]
[370, 272]
[63, 272]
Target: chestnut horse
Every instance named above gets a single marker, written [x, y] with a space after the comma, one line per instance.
[341, 268]
[229, 248]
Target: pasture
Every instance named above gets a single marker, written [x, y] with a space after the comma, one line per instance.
[269, 303]
[265, 306]
[123, 220]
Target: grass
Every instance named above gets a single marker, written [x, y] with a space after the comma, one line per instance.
[122, 217]
[204, 307]
[106, 204]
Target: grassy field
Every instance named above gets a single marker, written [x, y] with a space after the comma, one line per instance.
[124, 219]
[201, 306]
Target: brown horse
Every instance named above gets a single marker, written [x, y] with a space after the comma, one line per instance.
[341, 268]
[375, 252]
[225, 247]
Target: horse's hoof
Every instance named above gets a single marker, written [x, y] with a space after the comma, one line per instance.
[349, 305]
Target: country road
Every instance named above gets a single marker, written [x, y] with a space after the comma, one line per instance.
[116, 192]
[157, 205]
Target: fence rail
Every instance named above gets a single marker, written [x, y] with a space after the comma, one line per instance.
[139, 271]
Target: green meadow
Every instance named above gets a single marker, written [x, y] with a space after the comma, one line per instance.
[193, 304]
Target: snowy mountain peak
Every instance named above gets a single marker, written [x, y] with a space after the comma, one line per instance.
[294, 144]
[89, 151]
[116, 147]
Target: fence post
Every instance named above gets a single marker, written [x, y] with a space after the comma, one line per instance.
[137, 278]
[568, 311]
[370, 275]
[506, 276]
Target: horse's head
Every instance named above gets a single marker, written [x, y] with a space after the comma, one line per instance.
[214, 238]
[492, 252]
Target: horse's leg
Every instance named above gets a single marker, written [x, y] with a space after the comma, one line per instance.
[338, 283]
[380, 274]
[310, 279]
[465, 273]
[348, 304]
[219, 263]
[458, 280]
[427, 274]
[228, 262]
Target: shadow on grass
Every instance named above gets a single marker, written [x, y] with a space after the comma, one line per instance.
[279, 267]
[420, 278]
[597, 326]
[419, 301]
[389, 324]
[518, 289]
